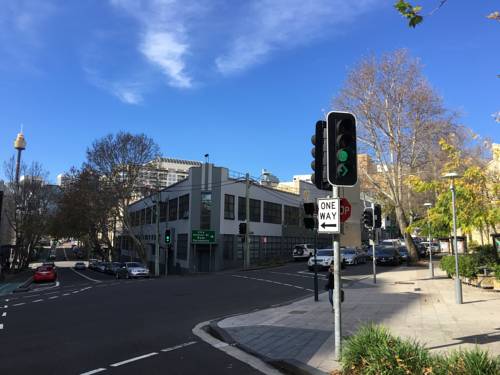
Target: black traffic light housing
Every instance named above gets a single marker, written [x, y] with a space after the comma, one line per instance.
[377, 213]
[310, 209]
[368, 218]
[342, 149]
[318, 152]
[242, 228]
[168, 236]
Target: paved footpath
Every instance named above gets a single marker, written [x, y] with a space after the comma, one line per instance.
[404, 300]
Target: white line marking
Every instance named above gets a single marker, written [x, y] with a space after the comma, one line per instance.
[66, 294]
[53, 297]
[4, 314]
[7, 300]
[37, 300]
[76, 291]
[87, 288]
[84, 276]
[133, 359]
[94, 371]
[52, 293]
[1, 326]
[178, 346]
[5, 306]
[273, 282]
[305, 276]
[19, 304]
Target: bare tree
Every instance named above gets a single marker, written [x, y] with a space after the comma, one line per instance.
[29, 206]
[400, 119]
[120, 161]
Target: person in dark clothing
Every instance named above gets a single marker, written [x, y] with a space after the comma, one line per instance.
[330, 285]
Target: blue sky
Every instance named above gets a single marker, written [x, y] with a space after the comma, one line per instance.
[244, 81]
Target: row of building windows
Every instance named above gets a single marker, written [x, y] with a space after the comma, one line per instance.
[272, 211]
[173, 209]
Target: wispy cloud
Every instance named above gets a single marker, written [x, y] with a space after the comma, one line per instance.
[164, 41]
[272, 25]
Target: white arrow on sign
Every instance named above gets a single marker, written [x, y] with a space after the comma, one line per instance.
[329, 215]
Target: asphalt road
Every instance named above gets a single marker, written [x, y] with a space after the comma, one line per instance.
[108, 326]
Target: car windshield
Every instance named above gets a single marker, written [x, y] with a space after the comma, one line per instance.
[384, 252]
[325, 253]
[299, 247]
[134, 264]
[348, 251]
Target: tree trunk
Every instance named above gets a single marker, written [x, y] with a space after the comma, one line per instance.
[403, 225]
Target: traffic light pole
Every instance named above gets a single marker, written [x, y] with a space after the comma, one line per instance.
[157, 243]
[373, 239]
[338, 286]
[247, 221]
[315, 265]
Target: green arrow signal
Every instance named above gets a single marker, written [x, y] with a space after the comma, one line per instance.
[343, 170]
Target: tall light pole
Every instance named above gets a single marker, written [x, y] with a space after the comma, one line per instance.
[458, 284]
[431, 266]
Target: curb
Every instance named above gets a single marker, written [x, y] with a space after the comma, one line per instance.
[24, 287]
[288, 366]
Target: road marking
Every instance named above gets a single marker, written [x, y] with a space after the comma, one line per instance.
[273, 282]
[76, 291]
[85, 276]
[305, 275]
[4, 315]
[53, 297]
[87, 288]
[94, 371]
[178, 346]
[7, 300]
[19, 304]
[1, 326]
[5, 306]
[37, 300]
[134, 359]
[66, 294]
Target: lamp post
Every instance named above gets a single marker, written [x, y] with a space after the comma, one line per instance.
[431, 266]
[458, 285]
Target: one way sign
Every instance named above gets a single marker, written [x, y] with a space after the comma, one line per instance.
[329, 215]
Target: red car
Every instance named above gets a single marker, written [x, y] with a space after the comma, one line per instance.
[45, 273]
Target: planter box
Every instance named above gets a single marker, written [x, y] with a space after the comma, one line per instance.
[485, 282]
[496, 284]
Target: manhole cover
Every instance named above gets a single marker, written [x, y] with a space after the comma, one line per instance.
[297, 312]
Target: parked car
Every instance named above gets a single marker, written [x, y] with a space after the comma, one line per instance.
[132, 270]
[49, 264]
[352, 256]
[101, 266]
[302, 251]
[45, 273]
[80, 266]
[324, 258]
[112, 267]
[403, 252]
[387, 255]
[434, 247]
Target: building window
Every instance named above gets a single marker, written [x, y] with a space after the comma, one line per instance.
[142, 216]
[182, 246]
[291, 215]
[272, 213]
[228, 207]
[206, 209]
[255, 210]
[184, 207]
[163, 211]
[148, 215]
[172, 209]
[242, 209]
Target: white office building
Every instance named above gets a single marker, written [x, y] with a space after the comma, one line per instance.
[209, 199]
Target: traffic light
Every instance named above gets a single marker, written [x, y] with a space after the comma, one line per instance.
[377, 213]
[243, 228]
[168, 237]
[341, 150]
[318, 165]
[368, 218]
[310, 209]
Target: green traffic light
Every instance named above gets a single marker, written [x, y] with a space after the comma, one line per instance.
[342, 155]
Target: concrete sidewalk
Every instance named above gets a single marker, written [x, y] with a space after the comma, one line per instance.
[404, 300]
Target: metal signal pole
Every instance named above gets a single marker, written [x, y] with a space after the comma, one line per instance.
[338, 286]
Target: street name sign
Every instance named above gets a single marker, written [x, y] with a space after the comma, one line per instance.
[203, 236]
[329, 215]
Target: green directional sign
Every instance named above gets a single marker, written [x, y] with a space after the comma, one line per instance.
[203, 236]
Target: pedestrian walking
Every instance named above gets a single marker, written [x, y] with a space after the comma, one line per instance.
[330, 284]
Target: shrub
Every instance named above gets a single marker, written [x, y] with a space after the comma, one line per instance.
[467, 265]
[486, 254]
[374, 351]
[496, 270]
[447, 264]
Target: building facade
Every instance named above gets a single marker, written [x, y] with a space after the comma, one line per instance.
[209, 199]
[163, 172]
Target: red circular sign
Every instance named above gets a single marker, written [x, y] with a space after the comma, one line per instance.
[345, 210]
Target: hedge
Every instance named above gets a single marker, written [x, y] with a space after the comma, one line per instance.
[373, 350]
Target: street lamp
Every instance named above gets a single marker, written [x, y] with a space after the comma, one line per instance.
[458, 285]
[431, 266]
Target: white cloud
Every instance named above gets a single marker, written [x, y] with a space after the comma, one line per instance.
[272, 25]
[164, 42]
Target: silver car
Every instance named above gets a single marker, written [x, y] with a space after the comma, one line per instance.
[132, 270]
[352, 256]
